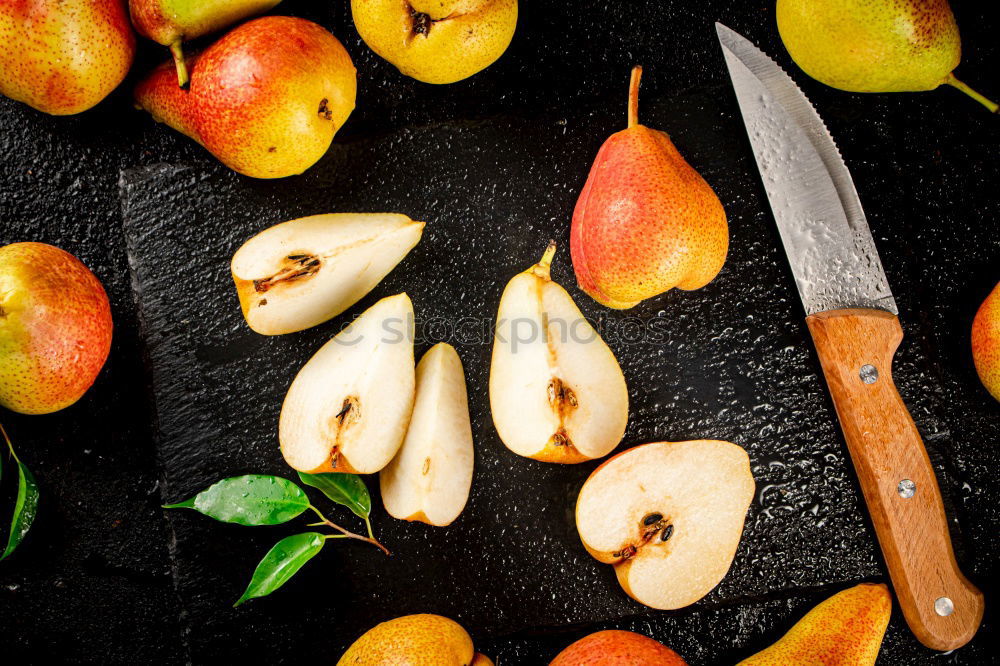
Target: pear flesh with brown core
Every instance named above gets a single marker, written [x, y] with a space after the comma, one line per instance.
[348, 408]
[645, 221]
[557, 393]
[301, 273]
[668, 516]
[430, 477]
[864, 46]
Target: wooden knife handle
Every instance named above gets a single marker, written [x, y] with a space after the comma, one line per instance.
[855, 348]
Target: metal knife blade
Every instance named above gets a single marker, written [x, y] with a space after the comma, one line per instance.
[812, 196]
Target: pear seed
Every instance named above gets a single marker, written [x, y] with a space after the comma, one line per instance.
[652, 518]
[668, 532]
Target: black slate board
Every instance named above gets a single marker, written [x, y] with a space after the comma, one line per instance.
[731, 361]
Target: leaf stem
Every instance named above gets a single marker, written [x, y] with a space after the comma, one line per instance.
[9, 445]
[348, 534]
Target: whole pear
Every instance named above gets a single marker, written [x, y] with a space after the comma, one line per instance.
[63, 57]
[55, 328]
[414, 640]
[646, 221]
[986, 342]
[437, 41]
[266, 99]
[617, 648]
[845, 629]
[865, 46]
[171, 22]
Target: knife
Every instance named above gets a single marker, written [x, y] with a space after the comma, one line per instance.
[852, 317]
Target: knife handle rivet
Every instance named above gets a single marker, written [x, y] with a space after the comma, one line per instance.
[868, 373]
[906, 490]
[943, 606]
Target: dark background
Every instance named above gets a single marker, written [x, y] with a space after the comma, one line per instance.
[100, 578]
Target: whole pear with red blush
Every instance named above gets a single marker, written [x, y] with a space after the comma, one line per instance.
[63, 57]
[55, 328]
[266, 99]
[646, 221]
[986, 342]
[617, 648]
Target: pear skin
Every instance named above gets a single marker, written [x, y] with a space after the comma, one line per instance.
[437, 41]
[986, 342]
[55, 328]
[64, 57]
[646, 221]
[863, 46]
[171, 22]
[414, 640]
[615, 647]
[266, 99]
[846, 629]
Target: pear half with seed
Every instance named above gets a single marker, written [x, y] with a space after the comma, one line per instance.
[430, 477]
[348, 408]
[303, 272]
[668, 516]
[557, 393]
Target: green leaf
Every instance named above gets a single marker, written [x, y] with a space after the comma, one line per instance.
[26, 505]
[281, 563]
[346, 489]
[254, 499]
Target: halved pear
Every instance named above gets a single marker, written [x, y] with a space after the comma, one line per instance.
[668, 516]
[430, 477]
[300, 273]
[348, 408]
[557, 393]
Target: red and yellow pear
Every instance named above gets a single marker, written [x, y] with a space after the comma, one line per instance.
[63, 57]
[171, 22]
[617, 648]
[414, 640]
[646, 221]
[55, 328]
[265, 99]
[844, 630]
[986, 342]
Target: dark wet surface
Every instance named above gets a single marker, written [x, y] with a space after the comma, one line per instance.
[493, 165]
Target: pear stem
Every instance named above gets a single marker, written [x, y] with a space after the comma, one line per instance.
[982, 99]
[633, 96]
[182, 72]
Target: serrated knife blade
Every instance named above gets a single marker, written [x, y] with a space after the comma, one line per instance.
[812, 195]
[851, 316]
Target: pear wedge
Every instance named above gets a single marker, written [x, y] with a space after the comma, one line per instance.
[668, 516]
[348, 408]
[303, 272]
[557, 393]
[430, 477]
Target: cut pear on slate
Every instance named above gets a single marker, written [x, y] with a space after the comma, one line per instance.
[303, 272]
[556, 391]
[430, 477]
[348, 408]
[668, 516]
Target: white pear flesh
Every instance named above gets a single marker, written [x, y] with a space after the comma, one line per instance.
[348, 408]
[430, 477]
[699, 490]
[557, 393]
[303, 272]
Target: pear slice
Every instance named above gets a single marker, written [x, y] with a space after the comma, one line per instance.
[668, 516]
[348, 408]
[556, 391]
[300, 273]
[430, 477]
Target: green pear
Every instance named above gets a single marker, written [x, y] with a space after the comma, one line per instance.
[170, 22]
[865, 46]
